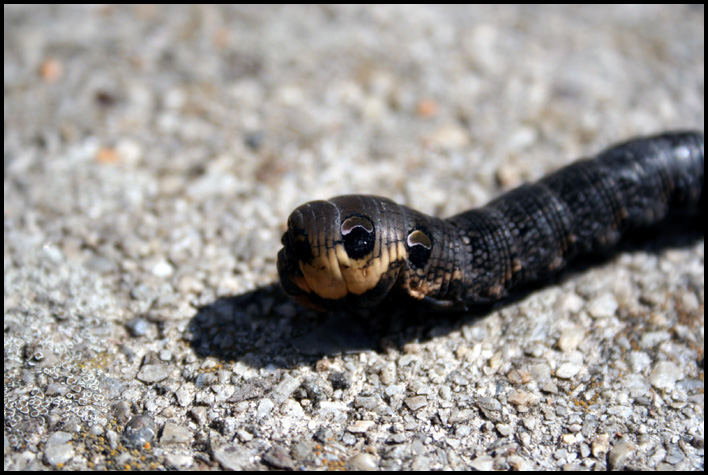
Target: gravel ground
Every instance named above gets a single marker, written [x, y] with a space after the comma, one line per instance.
[153, 154]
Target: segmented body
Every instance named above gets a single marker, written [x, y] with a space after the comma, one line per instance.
[355, 250]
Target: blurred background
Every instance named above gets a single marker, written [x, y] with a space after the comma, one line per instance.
[153, 153]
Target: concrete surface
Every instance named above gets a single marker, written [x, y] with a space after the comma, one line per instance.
[152, 155]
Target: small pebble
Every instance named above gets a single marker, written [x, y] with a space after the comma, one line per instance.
[620, 454]
[664, 375]
[568, 370]
[278, 457]
[264, 408]
[175, 434]
[139, 431]
[138, 326]
[363, 462]
[604, 306]
[416, 402]
[232, 457]
[152, 373]
[59, 449]
[361, 426]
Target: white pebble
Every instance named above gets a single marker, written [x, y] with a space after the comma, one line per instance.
[568, 370]
[664, 375]
[603, 306]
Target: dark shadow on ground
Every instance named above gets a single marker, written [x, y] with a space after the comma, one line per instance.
[263, 328]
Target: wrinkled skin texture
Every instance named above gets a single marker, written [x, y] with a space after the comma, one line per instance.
[356, 250]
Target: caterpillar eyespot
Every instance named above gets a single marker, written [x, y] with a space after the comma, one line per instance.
[482, 254]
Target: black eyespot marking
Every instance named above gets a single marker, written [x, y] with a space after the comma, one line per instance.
[358, 236]
[419, 246]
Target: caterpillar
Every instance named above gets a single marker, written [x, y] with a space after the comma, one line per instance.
[354, 251]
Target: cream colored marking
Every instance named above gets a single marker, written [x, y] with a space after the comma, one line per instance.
[516, 265]
[364, 274]
[333, 274]
[417, 289]
[401, 252]
[334, 267]
[421, 287]
[323, 275]
[361, 275]
[343, 257]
